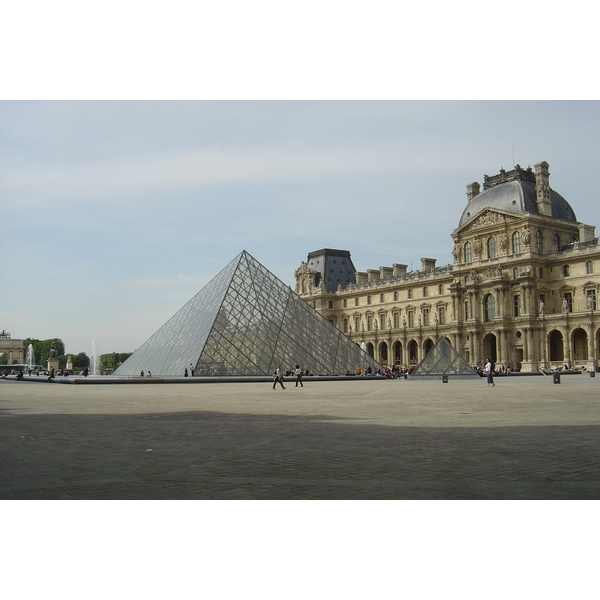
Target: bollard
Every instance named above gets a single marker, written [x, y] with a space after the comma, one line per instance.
[592, 374]
[555, 378]
[444, 378]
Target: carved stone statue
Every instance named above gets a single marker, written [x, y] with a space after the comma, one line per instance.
[403, 321]
[477, 247]
[565, 308]
[590, 301]
[456, 252]
[542, 308]
[503, 243]
[52, 351]
[527, 238]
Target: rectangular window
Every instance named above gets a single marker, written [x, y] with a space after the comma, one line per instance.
[396, 320]
[567, 302]
[440, 289]
[410, 295]
[370, 323]
[517, 305]
[425, 316]
[345, 325]
[357, 324]
[541, 273]
[467, 313]
[589, 267]
[442, 313]
[355, 301]
[331, 304]
[411, 318]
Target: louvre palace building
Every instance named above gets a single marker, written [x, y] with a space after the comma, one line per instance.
[522, 288]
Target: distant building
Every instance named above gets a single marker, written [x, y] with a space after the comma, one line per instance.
[522, 289]
[12, 348]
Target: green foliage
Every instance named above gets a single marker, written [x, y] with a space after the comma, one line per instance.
[41, 349]
[80, 361]
[114, 359]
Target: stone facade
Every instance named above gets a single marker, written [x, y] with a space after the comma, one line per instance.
[12, 348]
[522, 288]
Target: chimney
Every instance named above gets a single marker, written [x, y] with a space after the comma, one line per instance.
[385, 272]
[472, 191]
[428, 264]
[542, 188]
[361, 277]
[399, 270]
[586, 232]
[373, 275]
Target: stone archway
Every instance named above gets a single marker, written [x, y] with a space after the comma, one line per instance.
[489, 347]
[580, 346]
[427, 346]
[397, 349]
[370, 350]
[413, 352]
[556, 346]
[383, 353]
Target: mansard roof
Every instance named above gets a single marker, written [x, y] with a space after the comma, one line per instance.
[514, 192]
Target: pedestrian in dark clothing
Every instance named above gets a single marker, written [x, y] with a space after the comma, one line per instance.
[298, 373]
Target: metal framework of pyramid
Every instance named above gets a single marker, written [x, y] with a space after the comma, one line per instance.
[443, 359]
[246, 321]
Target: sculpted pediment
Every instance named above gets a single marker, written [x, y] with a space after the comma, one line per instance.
[488, 218]
[303, 269]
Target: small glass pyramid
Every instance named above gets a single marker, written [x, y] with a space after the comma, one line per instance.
[246, 321]
[443, 359]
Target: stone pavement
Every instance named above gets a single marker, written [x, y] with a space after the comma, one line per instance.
[526, 438]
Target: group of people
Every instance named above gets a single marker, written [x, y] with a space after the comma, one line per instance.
[296, 372]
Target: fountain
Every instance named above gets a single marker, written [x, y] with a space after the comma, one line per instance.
[95, 360]
[29, 357]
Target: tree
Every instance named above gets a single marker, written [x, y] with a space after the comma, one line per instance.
[81, 360]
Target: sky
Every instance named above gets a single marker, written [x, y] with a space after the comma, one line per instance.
[116, 213]
[133, 171]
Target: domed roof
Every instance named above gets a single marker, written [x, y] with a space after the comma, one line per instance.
[517, 196]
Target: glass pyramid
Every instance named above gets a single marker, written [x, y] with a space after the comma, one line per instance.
[443, 359]
[246, 321]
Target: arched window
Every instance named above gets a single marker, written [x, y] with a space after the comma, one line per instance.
[369, 300]
[345, 302]
[304, 286]
[425, 292]
[468, 252]
[491, 247]
[382, 298]
[556, 242]
[516, 242]
[410, 294]
[395, 296]
[440, 289]
[489, 303]
[539, 241]
[589, 267]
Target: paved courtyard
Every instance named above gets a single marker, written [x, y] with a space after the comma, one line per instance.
[526, 438]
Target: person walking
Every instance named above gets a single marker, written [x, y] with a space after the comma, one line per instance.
[489, 371]
[278, 377]
[298, 373]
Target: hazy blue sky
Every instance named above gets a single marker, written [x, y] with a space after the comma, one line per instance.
[117, 213]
